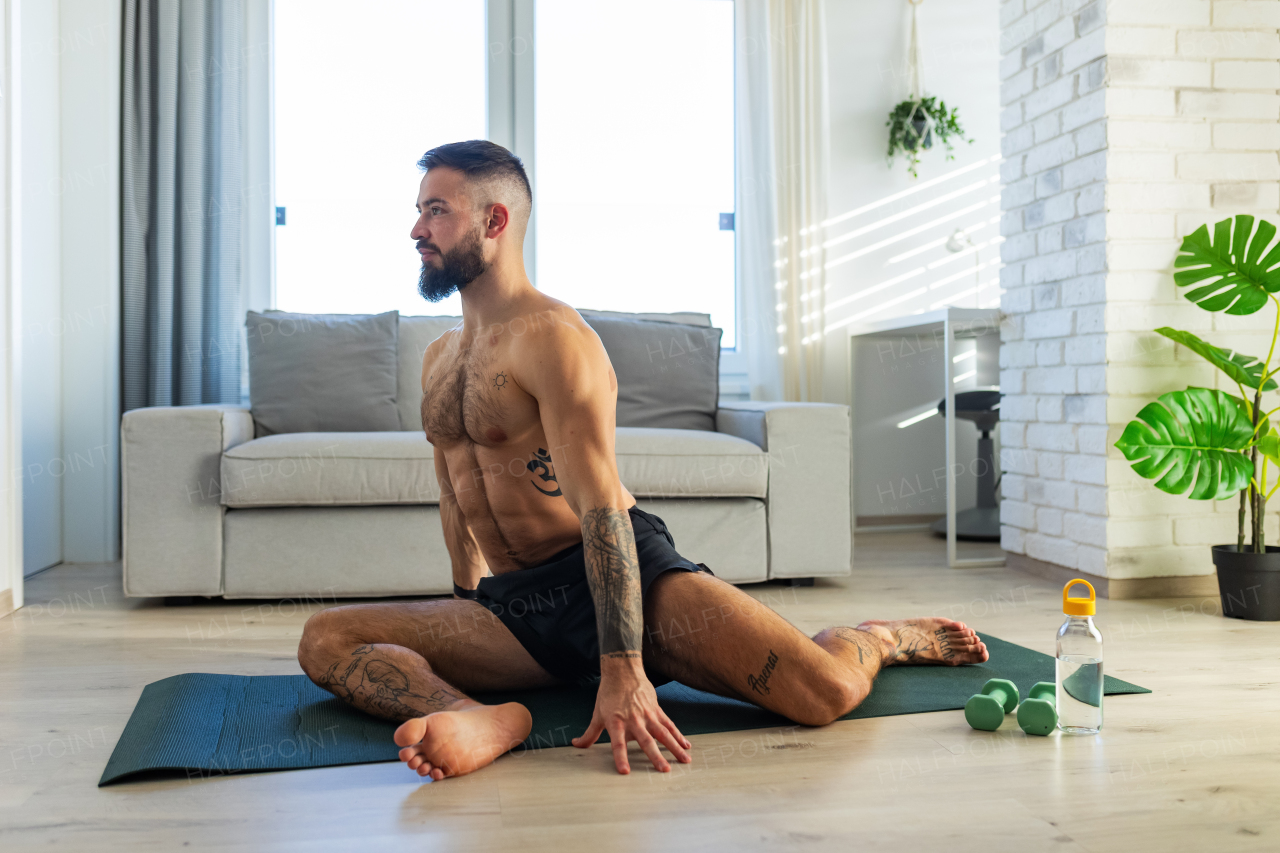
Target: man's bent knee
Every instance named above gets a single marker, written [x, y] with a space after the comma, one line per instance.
[828, 697]
[321, 635]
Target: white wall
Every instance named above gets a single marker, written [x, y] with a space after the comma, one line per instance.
[1054, 356]
[867, 49]
[90, 256]
[10, 311]
[1170, 119]
[43, 469]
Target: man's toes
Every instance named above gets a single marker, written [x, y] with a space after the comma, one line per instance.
[425, 769]
[411, 732]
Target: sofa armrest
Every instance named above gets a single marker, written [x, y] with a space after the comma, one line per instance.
[171, 508]
[810, 523]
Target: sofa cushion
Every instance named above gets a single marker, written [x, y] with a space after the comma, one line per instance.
[322, 372]
[371, 468]
[688, 318]
[686, 463]
[677, 389]
[668, 373]
[330, 469]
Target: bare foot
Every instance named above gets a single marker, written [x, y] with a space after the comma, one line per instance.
[927, 641]
[453, 743]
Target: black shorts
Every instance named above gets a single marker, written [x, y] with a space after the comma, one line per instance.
[549, 607]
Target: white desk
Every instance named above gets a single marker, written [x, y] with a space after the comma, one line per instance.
[950, 324]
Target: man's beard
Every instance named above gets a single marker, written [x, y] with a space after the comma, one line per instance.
[458, 267]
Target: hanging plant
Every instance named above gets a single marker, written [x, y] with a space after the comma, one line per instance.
[916, 123]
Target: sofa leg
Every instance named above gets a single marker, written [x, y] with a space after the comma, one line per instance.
[183, 600]
[794, 581]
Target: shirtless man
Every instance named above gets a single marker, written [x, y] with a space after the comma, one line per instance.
[558, 575]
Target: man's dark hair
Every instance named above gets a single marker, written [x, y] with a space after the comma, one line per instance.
[479, 160]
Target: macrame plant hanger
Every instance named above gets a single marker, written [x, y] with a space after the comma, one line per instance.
[915, 80]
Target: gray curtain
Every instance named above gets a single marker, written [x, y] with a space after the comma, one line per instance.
[181, 202]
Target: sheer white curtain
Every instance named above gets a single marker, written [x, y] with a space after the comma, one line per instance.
[783, 156]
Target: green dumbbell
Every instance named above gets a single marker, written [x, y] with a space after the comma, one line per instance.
[986, 710]
[1038, 714]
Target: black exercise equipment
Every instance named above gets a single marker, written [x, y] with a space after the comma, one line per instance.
[982, 523]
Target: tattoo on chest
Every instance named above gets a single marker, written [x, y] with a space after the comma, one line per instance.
[760, 683]
[540, 464]
[500, 381]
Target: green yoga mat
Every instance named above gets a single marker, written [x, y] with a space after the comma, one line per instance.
[201, 724]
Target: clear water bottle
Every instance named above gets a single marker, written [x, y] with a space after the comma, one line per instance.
[1079, 695]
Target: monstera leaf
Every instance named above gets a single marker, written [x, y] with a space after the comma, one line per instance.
[1190, 443]
[1269, 444]
[1244, 369]
[1232, 274]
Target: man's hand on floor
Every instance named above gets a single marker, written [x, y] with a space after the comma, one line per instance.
[627, 708]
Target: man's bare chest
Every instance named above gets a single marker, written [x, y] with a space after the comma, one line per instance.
[473, 398]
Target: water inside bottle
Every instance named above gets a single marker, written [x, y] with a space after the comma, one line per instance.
[1079, 694]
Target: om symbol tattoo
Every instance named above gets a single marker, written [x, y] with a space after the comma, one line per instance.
[540, 464]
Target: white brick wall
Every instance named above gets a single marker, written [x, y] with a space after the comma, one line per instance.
[1053, 278]
[1128, 124]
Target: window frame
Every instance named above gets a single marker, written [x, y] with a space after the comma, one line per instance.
[510, 111]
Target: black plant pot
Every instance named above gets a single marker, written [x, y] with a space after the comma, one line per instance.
[1249, 583]
[923, 132]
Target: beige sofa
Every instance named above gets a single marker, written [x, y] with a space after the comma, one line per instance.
[209, 510]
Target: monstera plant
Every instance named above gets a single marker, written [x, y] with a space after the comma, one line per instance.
[1213, 445]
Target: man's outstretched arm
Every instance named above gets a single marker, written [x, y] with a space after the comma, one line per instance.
[573, 382]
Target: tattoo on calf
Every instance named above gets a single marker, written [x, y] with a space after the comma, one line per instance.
[378, 686]
[613, 574]
[760, 683]
[541, 465]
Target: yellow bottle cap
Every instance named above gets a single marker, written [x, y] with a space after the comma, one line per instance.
[1079, 606]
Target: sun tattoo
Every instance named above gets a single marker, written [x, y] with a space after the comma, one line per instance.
[500, 380]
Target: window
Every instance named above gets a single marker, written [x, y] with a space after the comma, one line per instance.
[360, 93]
[635, 155]
[626, 109]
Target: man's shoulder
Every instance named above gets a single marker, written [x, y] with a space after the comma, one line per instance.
[555, 342]
[550, 323]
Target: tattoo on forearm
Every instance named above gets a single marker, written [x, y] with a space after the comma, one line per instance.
[541, 465]
[760, 683]
[613, 573]
[374, 684]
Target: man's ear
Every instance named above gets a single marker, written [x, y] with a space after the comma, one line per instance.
[497, 221]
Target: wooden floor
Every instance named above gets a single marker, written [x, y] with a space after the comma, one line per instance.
[1194, 766]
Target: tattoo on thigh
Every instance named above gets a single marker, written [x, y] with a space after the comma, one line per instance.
[760, 683]
[374, 684]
